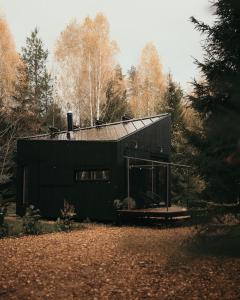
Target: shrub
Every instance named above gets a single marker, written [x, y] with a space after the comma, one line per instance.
[126, 203]
[31, 223]
[3, 225]
[117, 204]
[65, 221]
[129, 203]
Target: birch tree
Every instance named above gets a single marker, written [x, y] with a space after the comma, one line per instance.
[9, 64]
[12, 82]
[85, 55]
[149, 82]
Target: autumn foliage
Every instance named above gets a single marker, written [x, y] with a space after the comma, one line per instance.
[10, 63]
[151, 82]
[86, 58]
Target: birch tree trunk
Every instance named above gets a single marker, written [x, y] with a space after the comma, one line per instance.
[86, 51]
[99, 85]
[90, 91]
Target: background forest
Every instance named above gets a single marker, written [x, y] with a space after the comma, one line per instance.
[87, 79]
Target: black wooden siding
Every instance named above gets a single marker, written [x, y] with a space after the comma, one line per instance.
[52, 164]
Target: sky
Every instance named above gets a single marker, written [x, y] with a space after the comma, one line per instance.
[133, 23]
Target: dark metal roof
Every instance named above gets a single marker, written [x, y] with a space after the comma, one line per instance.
[105, 132]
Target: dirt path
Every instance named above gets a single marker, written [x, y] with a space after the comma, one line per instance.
[103, 262]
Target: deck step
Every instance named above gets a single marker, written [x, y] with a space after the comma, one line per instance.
[180, 218]
[170, 213]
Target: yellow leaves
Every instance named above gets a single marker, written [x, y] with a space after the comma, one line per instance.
[149, 83]
[86, 58]
[68, 42]
[9, 63]
[104, 262]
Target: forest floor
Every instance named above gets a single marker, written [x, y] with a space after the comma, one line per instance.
[107, 262]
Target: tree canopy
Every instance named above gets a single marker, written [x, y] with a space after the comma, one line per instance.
[40, 87]
[217, 98]
[86, 58]
[147, 83]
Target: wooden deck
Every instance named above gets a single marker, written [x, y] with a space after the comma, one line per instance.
[160, 212]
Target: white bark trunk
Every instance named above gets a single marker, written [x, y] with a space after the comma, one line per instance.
[99, 86]
[90, 90]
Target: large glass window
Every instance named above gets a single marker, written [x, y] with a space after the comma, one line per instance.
[92, 175]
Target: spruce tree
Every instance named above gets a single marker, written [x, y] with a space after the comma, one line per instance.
[172, 99]
[116, 104]
[172, 103]
[40, 88]
[217, 98]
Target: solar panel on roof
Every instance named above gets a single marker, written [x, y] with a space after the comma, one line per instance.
[111, 133]
[147, 121]
[102, 133]
[92, 134]
[119, 130]
[138, 124]
[78, 134]
[84, 135]
[106, 132]
[129, 127]
[61, 136]
[154, 119]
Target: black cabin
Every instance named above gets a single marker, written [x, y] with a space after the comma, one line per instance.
[88, 167]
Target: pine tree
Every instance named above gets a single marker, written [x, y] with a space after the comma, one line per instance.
[217, 98]
[172, 99]
[116, 104]
[172, 103]
[133, 90]
[40, 87]
[54, 117]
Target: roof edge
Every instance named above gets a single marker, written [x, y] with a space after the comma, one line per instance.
[99, 126]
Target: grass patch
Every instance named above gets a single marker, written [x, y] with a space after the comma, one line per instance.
[16, 228]
[15, 225]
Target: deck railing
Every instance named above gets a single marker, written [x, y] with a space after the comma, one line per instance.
[141, 163]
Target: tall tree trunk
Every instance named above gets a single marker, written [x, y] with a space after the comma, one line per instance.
[90, 90]
[99, 84]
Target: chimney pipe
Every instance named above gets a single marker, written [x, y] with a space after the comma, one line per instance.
[69, 121]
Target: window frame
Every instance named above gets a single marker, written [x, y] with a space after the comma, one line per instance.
[92, 175]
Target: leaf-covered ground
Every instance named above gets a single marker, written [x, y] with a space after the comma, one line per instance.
[104, 262]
